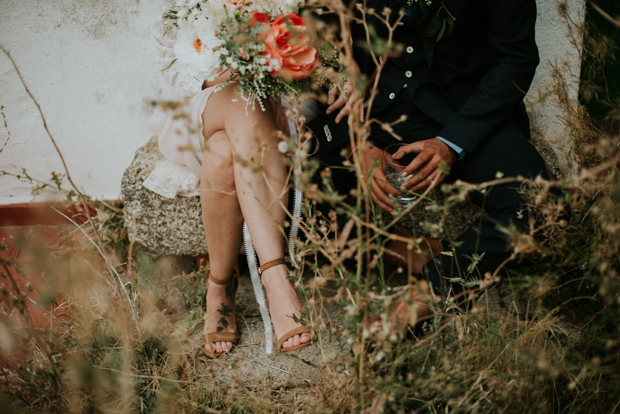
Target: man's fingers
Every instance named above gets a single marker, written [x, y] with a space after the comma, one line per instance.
[430, 180]
[382, 200]
[350, 119]
[381, 204]
[388, 188]
[406, 149]
[331, 96]
[382, 182]
[380, 197]
[418, 162]
[420, 176]
[336, 104]
[379, 192]
[344, 111]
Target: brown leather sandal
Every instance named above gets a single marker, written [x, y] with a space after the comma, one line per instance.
[221, 336]
[288, 335]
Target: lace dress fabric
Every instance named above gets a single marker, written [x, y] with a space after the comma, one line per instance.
[179, 136]
[178, 127]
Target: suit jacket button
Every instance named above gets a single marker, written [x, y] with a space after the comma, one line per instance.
[409, 49]
[408, 74]
[392, 95]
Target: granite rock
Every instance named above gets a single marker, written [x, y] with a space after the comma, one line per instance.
[162, 225]
[422, 221]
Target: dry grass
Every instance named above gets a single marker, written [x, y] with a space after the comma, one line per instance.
[120, 347]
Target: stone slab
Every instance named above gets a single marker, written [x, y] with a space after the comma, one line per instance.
[162, 225]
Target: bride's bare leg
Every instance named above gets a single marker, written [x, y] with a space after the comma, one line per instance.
[223, 223]
[252, 141]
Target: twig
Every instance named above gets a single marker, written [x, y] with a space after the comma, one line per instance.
[6, 126]
[603, 13]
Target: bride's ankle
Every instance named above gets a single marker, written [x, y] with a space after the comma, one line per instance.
[274, 276]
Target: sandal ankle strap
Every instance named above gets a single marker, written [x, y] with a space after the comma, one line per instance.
[224, 281]
[270, 264]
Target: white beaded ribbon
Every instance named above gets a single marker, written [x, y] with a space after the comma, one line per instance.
[251, 252]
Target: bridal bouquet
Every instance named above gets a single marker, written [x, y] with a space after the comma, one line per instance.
[264, 44]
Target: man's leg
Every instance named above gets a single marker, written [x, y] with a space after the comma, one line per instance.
[509, 152]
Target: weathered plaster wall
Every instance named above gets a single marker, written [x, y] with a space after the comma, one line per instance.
[91, 65]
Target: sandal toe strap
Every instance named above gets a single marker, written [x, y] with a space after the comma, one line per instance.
[297, 331]
[220, 337]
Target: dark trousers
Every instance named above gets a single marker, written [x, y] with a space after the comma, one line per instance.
[506, 150]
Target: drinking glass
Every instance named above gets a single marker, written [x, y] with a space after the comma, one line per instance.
[393, 171]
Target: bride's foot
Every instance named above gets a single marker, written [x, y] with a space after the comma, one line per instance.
[283, 303]
[220, 316]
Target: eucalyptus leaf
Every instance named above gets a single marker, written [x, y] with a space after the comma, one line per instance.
[442, 30]
[424, 22]
[433, 26]
[423, 6]
[449, 27]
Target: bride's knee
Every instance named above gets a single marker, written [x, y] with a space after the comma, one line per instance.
[218, 175]
[217, 160]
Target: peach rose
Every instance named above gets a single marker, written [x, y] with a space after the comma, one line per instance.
[258, 17]
[287, 42]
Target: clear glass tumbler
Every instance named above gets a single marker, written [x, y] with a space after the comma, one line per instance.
[393, 171]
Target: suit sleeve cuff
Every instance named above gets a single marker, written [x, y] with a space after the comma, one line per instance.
[460, 151]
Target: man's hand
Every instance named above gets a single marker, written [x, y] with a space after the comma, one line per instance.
[349, 97]
[381, 190]
[426, 166]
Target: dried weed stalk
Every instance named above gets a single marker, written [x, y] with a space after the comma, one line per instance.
[554, 346]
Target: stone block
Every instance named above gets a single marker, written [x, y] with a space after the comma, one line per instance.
[162, 225]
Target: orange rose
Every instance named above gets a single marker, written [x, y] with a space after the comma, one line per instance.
[258, 17]
[288, 43]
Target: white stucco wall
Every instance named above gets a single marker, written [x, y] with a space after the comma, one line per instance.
[91, 65]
